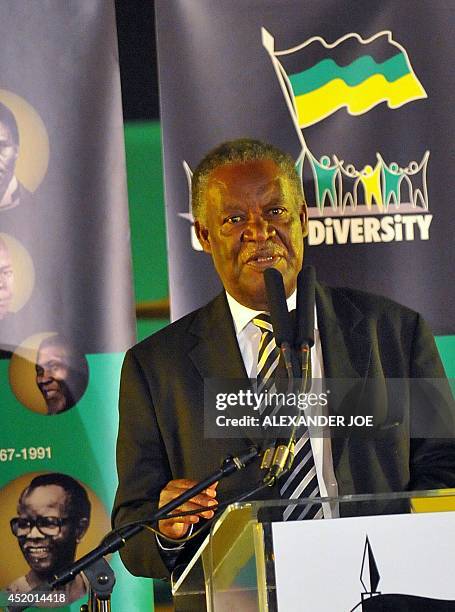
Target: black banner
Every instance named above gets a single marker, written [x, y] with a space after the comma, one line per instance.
[358, 96]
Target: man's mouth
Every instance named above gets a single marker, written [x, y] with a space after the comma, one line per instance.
[262, 261]
[49, 392]
[37, 552]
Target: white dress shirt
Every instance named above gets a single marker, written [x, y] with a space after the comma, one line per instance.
[248, 338]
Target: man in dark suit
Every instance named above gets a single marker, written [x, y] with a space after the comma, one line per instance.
[250, 214]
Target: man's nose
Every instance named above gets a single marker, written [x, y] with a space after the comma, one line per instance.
[35, 533]
[3, 155]
[258, 229]
[44, 376]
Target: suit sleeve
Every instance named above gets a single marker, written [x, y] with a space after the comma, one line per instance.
[143, 470]
[432, 460]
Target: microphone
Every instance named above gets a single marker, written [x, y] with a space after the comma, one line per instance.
[279, 314]
[305, 307]
[278, 459]
[304, 337]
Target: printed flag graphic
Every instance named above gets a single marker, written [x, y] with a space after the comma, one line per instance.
[352, 72]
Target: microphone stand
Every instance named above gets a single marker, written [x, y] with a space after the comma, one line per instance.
[279, 459]
[305, 355]
[97, 570]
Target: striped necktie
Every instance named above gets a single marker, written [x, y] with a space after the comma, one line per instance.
[302, 480]
[268, 355]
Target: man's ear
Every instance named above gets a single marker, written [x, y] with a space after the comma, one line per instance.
[304, 218]
[202, 234]
[81, 528]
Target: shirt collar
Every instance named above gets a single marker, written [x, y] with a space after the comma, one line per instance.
[242, 315]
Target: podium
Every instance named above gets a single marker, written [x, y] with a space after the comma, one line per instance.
[376, 552]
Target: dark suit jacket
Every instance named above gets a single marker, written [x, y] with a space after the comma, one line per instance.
[364, 337]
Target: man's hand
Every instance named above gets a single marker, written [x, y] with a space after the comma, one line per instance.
[177, 528]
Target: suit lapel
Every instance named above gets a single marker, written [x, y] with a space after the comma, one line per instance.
[216, 354]
[346, 348]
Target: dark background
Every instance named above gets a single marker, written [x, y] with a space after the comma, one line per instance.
[138, 69]
[137, 52]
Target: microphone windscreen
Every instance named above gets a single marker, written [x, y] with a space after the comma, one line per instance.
[279, 314]
[306, 281]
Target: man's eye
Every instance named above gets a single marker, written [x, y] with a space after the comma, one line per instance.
[234, 219]
[276, 211]
[56, 366]
[50, 521]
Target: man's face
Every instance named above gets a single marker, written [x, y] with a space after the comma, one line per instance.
[52, 373]
[6, 280]
[8, 156]
[48, 554]
[252, 222]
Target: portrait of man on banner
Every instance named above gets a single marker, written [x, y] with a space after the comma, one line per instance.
[53, 515]
[11, 190]
[61, 374]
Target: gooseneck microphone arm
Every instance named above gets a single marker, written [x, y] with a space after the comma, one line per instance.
[114, 542]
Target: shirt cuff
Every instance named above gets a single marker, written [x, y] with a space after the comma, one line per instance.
[169, 545]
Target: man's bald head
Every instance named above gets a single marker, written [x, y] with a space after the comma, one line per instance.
[241, 151]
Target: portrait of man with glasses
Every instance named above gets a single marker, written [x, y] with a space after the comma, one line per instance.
[53, 516]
